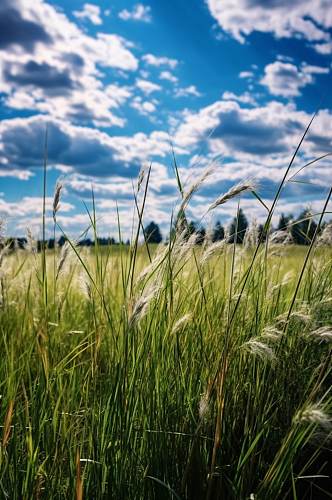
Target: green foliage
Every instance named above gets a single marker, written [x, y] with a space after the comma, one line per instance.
[152, 233]
[304, 228]
[238, 227]
[218, 232]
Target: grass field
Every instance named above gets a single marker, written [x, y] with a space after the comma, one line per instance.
[181, 371]
[122, 378]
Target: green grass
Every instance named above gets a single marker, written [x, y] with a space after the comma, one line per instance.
[153, 408]
[167, 373]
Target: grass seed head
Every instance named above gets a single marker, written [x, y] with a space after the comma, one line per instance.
[242, 187]
[314, 414]
[259, 349]
[56, 198]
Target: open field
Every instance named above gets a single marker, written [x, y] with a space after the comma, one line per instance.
[179, 378]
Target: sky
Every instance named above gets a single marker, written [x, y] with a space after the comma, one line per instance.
[228, 84]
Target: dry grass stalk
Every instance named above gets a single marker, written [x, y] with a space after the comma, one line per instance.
[31, 244]
[193, 188]
[240, 188]
[212, 250]
[7, 424]
[64, 259]
[56, 198]
[79, 483]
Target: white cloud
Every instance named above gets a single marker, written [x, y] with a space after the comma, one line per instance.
[147, 87]
[264, 135]
[245, 98]
[160, 61]
[139, 12]
[22, 175]
[246, 74]
[87, 150]
[167, 75]
[61, 76]
[191, 90]
[144, 108]
[324, 48]
[91, 12]
[286, 79]
[29, 206]
[299, 18]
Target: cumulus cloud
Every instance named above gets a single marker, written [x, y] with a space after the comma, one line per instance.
[17, 30]
[30, 206]
[158, 61]
[191, 90]
[167, 75]
[52, 66]
[299, 18]
[147, 87]
[286, 79]
[260, 134]
[91, 12]
[139, 12]
[86, 150]
[245, 98]
[145, 108]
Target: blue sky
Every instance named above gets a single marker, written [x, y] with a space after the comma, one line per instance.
[230, 83]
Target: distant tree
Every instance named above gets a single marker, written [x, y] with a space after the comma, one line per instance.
[238, 227]
[62, 241]
[50, 243]
[218, 232]
[284, 221]
[201, 233]
[152, 233]
[86, 242]
[304, 228]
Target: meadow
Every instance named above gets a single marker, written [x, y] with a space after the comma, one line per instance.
[177, 371]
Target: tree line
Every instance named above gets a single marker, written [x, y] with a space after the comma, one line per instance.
[301, 231]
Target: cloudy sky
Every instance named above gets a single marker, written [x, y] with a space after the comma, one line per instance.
[229, 83]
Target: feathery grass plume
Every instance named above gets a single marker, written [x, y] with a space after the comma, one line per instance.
[259, 349]
[281, 237]
[285, 280]
[251, 236]
[180, 323]
[271, 333]
[85, 286]
[185, 246]
[2, 232]
[240, 188]
[31, 244]
[303, 315]
[193, 188]
[56, 198]
[158, 258]
[3, 252]
[65, 254]
[203, 405]
[141, 306]
[212, 250]
[313, 414]
[324, 333]
[325, 238]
